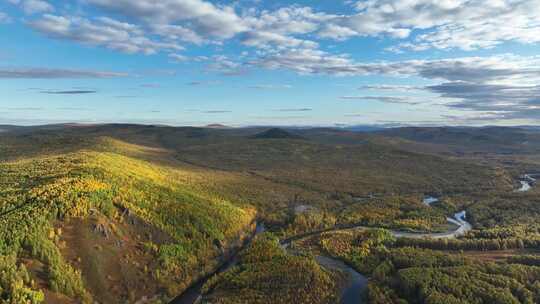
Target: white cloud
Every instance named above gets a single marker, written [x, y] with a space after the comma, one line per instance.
[178, 58]
[177, 32]
[265, 40]
[337, 32]
[307, 61]
[417, 25]
[31, 7]
[4, 18]
[463, 24]
[106, 32]
[287, 20]
[383, 99]
[277, 29]
[206, 18]
[388, 87]
[506, 84]
[106, 21]
[497, 69]
[225, 65]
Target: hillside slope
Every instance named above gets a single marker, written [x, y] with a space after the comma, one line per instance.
[357, 169]
[116, 213]
[106, 226]
[467, 139]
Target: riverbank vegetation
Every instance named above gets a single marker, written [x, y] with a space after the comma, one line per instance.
[505, 221]
[406, 213]
[414, 275]
[116, 213]
[266, 273]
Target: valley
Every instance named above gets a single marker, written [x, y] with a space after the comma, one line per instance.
[147, 214]
[270, 152]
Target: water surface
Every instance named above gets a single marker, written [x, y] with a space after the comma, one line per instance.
[356, 287]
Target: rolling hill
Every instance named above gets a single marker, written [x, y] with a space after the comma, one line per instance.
[108, 225]
[118, 213]
[501, 140]
[276, 133]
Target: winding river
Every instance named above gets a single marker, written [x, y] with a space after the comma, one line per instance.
[193, 295]
[357, 283]
[527, 181]
[356, 287]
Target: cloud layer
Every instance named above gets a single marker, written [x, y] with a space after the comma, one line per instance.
[148, 26]
[384, 99]
[31, 7]
[69, 92]
[103, 31]
[462, 24]
[42, 73]
[299, 38]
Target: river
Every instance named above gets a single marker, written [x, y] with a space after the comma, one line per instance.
[354, 291]
[193, 294]
[527, 181]
[356, 286]
[428, 200]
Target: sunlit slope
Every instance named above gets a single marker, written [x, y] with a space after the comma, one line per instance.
[64, 216]
[318, 161]
[277, 174]
[266, 273]
[118, 212]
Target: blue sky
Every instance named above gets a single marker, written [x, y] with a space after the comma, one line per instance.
[196, 62]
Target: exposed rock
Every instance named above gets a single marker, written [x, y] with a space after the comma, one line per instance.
[129, 216]
[304, 209]
[102, 229]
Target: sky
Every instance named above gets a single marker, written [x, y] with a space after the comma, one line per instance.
[256, 62]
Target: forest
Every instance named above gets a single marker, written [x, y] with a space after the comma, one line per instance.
[265, 273]
[167, 232]
[139, 214]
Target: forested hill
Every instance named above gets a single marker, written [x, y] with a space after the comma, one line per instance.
[467, 139]
[115, 213]
[96, 219]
